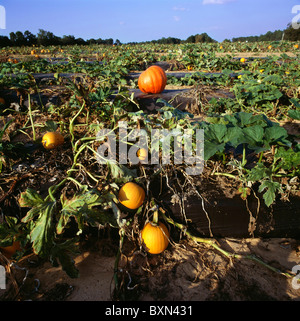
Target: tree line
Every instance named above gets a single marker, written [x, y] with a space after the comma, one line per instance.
[47, 38]
[289, 33]
[198, 38]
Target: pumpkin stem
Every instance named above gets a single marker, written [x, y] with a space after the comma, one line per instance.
[155, 218]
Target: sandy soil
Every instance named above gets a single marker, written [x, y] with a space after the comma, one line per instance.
[186, 271]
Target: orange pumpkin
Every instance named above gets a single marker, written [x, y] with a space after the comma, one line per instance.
[153, 80]
[52, 139]
[9, 251]
[155, 236]
[131, 195]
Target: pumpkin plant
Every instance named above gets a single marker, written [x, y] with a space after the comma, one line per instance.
[155, 235]
[153, 80]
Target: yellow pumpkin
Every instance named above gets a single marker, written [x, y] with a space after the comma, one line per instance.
[52, 139]
[142, 154]
[243, 60]
[155, 236]
[131, 195]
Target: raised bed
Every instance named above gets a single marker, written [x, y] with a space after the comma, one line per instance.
[219, 215]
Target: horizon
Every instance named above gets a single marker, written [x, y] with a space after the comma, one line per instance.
[133, 21]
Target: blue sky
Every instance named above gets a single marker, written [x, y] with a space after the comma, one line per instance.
[140, 20]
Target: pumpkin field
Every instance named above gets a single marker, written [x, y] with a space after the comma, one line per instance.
[75, 228]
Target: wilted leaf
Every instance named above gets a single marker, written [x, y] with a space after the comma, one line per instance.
[82, 207]
[42, 234]
[64, 252]
[30, 198]
[244, 191]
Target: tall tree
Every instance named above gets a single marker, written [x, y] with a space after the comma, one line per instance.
[20, 39]
[30, 38]
[12, 37]
[4, 41]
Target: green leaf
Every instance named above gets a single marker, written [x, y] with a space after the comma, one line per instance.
[234, 136]
[295, 102]
[51, 126]
[271, 188]
[275, 133]
[254, 134]
[295, 114]
[2, 130]
[211, 148]
[215, 132]
[259, 172]
[121, 171]
[244, 118]
[289, 158]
